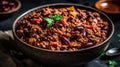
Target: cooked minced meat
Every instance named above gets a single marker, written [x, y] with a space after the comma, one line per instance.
[67, 28]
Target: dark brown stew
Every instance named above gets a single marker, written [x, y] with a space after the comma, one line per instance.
[67, 28]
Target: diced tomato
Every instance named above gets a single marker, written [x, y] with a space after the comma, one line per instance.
[89, 26]
[54, 44]
[64, 21]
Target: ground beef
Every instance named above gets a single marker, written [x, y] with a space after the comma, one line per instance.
[67, 28]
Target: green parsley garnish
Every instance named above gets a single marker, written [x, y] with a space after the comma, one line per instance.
[49, 21]
[52, 19]
[56, 17]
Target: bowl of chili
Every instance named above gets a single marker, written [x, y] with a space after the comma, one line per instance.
[38, 33]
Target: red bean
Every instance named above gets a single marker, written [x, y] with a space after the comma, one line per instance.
[26, 30]
[64, 40]
[88, 44]
[11, 4]
[84, 33]
[4, 2]
[58, 25]
[80, 28]
[48, 15]
[74, 36]
[43, 39]
[45, 14]
[6, 8]
[43, 24]
[88, 12]
[105, 28]
[79, 16]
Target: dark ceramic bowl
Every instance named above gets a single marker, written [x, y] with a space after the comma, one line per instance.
[7, 14]
[63, 57]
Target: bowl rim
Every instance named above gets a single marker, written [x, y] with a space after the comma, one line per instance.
[68, 4]
[13, 10]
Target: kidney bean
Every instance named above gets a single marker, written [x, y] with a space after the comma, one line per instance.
[105, 28]
[48, 15]
[80, 28]
[26, 32]
[58, 25]
[74, 36]
[6, 8]
[84, 33]
[43, 25]
[79, 16]
[43, 14]
[11, 4]
[88, 12]
[88, 44]
[43, 39]
[4, 2]
[70, 18]
[64, 40]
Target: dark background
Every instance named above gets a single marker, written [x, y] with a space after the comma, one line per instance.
[19, 60]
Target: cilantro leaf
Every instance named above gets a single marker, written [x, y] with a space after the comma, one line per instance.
[49, 21]
[56, 17]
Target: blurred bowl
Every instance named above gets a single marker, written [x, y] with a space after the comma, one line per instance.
[7, 14]
[108, 6]
[63, 58]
